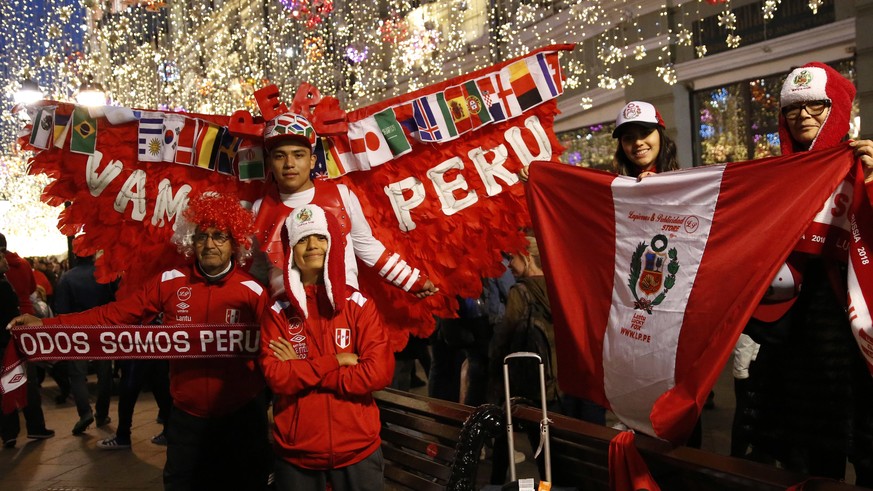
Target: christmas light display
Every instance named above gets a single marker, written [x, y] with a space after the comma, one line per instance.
[209, 57]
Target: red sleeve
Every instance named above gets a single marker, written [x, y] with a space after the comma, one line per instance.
[375, 368]
[138, 308]
[21, 278]
[292, 376]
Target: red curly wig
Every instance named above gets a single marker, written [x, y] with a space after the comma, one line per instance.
[224, 212]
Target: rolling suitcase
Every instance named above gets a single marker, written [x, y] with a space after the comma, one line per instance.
[529, 484]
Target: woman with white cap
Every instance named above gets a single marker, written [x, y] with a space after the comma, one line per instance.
[643, 146]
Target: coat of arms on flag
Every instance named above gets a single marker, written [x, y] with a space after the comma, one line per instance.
[651, 258]
[231, 316]
[343, 337]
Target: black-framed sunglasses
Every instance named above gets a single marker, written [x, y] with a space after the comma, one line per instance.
[813, 108]
[218, 238]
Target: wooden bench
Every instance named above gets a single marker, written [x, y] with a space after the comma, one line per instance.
[580, 458]
[419, 436]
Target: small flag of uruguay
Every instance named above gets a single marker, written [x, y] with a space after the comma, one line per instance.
[151, 136]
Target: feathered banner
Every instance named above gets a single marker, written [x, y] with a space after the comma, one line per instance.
[121, 191]
[441, 187]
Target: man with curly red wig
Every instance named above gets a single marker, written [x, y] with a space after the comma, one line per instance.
[216, 436]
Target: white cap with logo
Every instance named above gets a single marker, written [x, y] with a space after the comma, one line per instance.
[640, 113]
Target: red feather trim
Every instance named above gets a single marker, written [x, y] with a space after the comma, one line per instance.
[455, 251]
[132, 248]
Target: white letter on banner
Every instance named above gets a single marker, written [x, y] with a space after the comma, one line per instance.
[445, 190]
[133, 190]
[402, 207]
[98, 182]
[488, 172]
[27, 343]
[513, 136]
[168, 204]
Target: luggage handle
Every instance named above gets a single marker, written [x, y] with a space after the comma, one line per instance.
[544, 424]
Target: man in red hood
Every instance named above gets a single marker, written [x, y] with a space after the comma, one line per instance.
[20, 275]
[811, 391]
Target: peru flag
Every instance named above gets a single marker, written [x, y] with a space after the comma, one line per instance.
[652, 282]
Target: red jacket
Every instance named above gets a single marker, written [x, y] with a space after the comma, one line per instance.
[20, 276]
[203, 387]
[324, 415]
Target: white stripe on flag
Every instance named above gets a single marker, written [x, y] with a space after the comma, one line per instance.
[150, 136]
[119, 115]
[646, 233]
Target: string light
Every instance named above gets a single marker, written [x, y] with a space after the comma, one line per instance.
[769, 8]
[196, 57]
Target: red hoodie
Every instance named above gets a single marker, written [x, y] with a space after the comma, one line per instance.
[324, 414]
[20, 276]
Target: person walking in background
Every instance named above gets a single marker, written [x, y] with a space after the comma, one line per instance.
[20, 276]
[134, 375]
[10, 424]
[78, 291]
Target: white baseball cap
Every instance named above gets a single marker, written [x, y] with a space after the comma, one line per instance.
[638, 112]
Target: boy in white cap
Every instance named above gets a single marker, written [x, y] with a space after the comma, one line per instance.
[289, 140]
[323, 352]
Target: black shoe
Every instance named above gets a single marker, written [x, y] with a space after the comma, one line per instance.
[160, 439]
[40, 435]
[10, 443]
[103, 421]
[82, 425]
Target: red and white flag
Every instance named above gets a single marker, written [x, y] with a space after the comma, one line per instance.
[652, 282]
[186, 140]
[13, 380]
